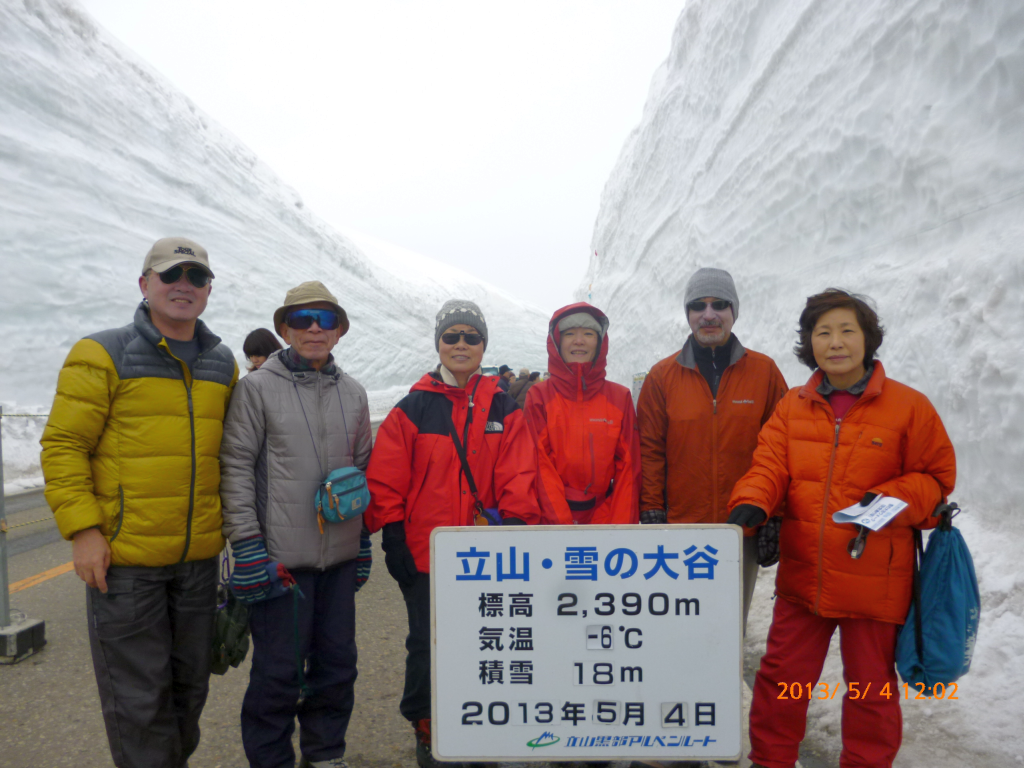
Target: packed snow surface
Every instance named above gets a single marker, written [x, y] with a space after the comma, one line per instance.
[100, 156]
[879, 147]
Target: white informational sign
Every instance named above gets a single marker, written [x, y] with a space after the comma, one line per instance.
[595, 642]
[874, 516]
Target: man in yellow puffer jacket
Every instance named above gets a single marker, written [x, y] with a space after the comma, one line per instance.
[130, 458]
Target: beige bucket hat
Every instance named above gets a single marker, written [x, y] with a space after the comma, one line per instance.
[307, 293]
[169, 252]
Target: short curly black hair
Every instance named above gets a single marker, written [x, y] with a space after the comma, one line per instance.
[836, 298]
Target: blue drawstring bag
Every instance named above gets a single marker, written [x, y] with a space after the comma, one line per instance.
[342, 495]
[937, 641]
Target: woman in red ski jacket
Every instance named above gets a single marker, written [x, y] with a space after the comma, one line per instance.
[417, 482]
[588, 445]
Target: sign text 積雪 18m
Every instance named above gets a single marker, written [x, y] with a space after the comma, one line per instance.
[586, 642]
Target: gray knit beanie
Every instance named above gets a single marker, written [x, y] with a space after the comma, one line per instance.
[579, 320]
[459, 312]
[709, 281]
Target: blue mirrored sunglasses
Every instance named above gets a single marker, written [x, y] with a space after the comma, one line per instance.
[302, 319]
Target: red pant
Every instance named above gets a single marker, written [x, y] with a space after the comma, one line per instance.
[797, 645]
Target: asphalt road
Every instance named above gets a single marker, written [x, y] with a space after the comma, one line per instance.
[49, 708]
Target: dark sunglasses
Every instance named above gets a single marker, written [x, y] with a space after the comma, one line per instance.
[471, 338]
[719, 305]
[302, 319]
[198, 276]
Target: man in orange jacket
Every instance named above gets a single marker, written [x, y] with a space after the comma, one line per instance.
[700, 411]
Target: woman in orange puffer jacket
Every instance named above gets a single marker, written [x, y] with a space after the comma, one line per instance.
[588, 446]
[848, 435]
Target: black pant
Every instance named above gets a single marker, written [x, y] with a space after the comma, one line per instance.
[416, 697]
[326, 625]
[150, 636]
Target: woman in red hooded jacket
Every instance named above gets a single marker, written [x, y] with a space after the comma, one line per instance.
[588, 445]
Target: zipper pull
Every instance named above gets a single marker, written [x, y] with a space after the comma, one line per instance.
[838, 424]
[714, 406]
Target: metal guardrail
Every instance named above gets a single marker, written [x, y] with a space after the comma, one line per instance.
[376, 418]
[5, 598]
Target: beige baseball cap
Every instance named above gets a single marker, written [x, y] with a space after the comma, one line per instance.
[169, 252]
[307, 293]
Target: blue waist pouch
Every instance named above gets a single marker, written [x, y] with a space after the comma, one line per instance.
[342, 495]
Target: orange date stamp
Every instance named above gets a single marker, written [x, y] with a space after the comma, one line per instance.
[825, 691]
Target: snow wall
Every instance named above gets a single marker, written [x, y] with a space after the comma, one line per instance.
[100, 156]
[878, 147]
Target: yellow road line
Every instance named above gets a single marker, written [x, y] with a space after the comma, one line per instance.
[39, 578]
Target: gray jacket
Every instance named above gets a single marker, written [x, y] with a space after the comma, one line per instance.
[283, 433]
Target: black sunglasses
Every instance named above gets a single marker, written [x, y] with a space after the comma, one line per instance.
[302, 319]
[198, 276]
[719, 305]
[471, 338]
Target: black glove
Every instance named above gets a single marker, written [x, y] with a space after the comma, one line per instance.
[653, 517]
[397, 557]
[747, 515]
[868, 498]
[512, 521]
[768, 542]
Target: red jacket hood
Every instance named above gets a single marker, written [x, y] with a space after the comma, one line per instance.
[575, 380]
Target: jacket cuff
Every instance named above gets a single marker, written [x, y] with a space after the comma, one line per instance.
[78, 523]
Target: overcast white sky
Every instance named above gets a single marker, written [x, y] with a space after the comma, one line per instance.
[478, 133]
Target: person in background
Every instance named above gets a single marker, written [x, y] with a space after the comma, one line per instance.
[516, 386]
[132, 476]
[700, 411]
[417, 482]
[530, 381]
[848, 435]
[290, 424]
[258, 346]
[505, 376]
[588, 445]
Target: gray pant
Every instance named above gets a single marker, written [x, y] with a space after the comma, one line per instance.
[750, 567]
[151, 635]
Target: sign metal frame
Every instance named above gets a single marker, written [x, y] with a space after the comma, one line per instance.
[655, 640]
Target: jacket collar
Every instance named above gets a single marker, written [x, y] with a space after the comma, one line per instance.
[825, 388]
[144, 325]
[278, 364]
[688, 359]
[477, 385]
[873, 388]
[449, 378]
[296, 363]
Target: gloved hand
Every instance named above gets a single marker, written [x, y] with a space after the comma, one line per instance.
[364, 560]
[397, 557]
[513, 521]
[250, 581]
[768, 542]
[653, 517]
[281, 580]
[747, 515]
[868, 498]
